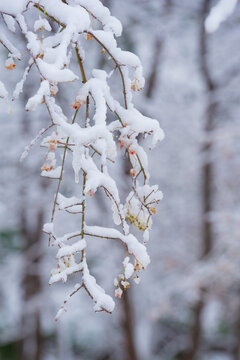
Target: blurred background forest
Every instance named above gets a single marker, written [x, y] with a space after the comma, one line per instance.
[187, 305]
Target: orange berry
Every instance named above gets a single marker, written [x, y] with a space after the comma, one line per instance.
[46, 168]
[153, 210]
[52, 147]
[9, 64]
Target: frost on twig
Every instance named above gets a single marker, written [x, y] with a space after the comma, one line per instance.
[92, 141]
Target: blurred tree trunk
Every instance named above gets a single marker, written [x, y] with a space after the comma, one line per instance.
[196, 330]
[207, 176]
[153, 76]
[31, 230]
[207, 170]
[128, 327]
[152, 79]
[128, 323]
[30, 346]
[236, 350]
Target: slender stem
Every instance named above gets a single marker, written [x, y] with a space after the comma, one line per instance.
[145, 198]
[80, 63]
[74, 292]
[102, 237]
[50, 17]
[61, 174]
[142, 168]
[84, 80]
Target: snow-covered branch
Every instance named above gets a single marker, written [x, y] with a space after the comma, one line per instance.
[51, 53]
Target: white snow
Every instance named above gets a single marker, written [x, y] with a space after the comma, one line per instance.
[42, 23]
[102, 301]
[10, 22]
[66, 14]
[219, 13]
[53, 174]
[95, 7]
[3, 91]
[12, 7]
[52, 74]
[134, 247]
[71, 249]
[35, 100]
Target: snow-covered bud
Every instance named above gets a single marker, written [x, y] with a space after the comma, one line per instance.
[78, 103]
[89, 37]
[133, 172]
[118, 293]
[9, 64]
[49, 163]
[91, 192]
[52, 145]
[131, 151]
[53, 89]
[136, 85]
[122, 144]
[125, 284]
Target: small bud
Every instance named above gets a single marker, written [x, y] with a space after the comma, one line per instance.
[52, 147]
[46, 167]
[153, 210]
[53, 89]
[118, 292]
[131, 151]
[91, 192]
[122, 144]
[133, 87]
[89, 37]
[9, 64]
[76, 105]
[126, 285]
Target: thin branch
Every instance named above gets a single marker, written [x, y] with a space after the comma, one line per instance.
[61, 174]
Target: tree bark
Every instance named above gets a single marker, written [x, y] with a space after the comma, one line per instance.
[128, 327]
[207, 170]
[236, 350]
[196, 330]
[207, 177]
[31, 336]
[153, 77]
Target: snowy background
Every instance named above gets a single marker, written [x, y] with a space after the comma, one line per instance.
[187, 305]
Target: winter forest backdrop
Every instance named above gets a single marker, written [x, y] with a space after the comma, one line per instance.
[187, 305]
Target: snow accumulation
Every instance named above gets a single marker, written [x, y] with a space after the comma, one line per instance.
[219, 13]
[3, 91]
[12, 7]
[110, 23]
[102, 301]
